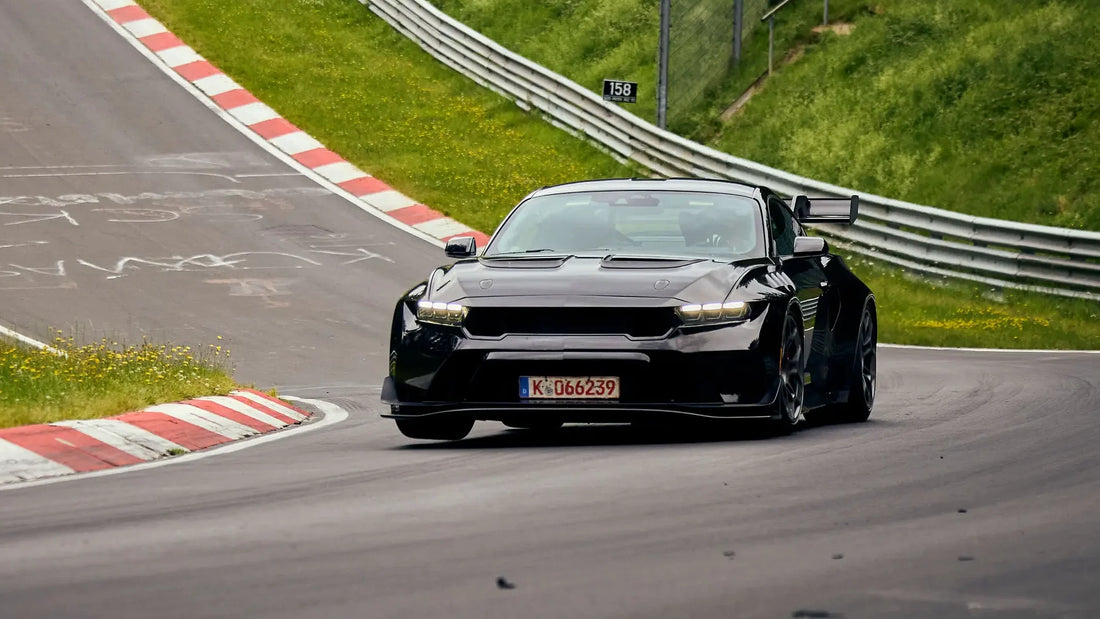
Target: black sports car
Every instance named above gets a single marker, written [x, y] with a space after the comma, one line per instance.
[616, 301]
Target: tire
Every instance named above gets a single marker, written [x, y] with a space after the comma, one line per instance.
[792, 388]
[864, 381]
[436, 428]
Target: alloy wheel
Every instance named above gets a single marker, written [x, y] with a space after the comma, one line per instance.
[868, 355]
[790, 372]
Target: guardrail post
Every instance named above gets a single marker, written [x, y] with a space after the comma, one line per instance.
[770, 16]
[738, 23]
[825, 19]
[662, 65]
[771, 42]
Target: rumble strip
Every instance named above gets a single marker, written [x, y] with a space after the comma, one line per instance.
[274, 131]
[66, 447]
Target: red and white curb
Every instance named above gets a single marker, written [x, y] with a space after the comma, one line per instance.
[67, 447]
[267, 124]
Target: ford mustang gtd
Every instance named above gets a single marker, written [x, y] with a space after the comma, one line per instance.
[616, 301]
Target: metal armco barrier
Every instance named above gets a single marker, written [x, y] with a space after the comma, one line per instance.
[929, 240]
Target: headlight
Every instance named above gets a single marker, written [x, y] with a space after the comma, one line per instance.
[450, 314]
[707, 313]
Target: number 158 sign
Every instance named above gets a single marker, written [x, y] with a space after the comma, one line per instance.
[623, 92]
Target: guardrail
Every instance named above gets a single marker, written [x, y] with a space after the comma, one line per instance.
[991, 251]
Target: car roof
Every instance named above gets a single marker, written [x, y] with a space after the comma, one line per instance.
[634, 184]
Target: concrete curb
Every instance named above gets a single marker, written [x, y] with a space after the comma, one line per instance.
[80, 446]
[369, 192]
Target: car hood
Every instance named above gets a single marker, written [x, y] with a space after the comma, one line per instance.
[630, 279]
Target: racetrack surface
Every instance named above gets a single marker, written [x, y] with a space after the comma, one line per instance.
[354, 520]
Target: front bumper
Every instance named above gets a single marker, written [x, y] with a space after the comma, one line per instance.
[717, 372]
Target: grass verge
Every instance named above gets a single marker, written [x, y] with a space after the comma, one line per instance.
[984, 107]
[342, 74]
[90, 381]
[937, 312]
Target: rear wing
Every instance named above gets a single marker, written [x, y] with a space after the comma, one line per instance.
[826, 210]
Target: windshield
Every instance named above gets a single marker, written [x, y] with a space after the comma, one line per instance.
[636, 223]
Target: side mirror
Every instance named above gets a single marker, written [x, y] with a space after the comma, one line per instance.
[808, 246]
[841, 211]
[461, 247]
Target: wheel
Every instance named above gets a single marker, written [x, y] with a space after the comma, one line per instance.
[788, 403]
[436, 428]
[861, 394]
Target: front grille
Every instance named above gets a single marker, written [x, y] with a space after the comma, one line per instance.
[632, 321]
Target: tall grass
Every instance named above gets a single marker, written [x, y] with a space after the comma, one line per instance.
[586, 40]
[984, 106]
[931, 311]
[86, 381]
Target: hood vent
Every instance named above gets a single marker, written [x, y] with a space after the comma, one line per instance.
[630, 321]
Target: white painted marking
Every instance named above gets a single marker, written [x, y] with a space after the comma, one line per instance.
[139, 439]
[179, 56]
[442, 227]
[30, 218]
[141, 215]
[358, 255]
[252, 113]
[144, 27]
[19, 463]
[251, 135]
[273, 405]
[389, 200]
[214, 85]
[206, 196]
[52, 174]
[245, 409]
[58, 270]
[110, 5]
[105, 430]
[65, 167]
[200, 262]
[29, 341]
[1049, 351]
[10, 125]
[297, 142]
[208, 421]
[340, 171]
[27, 244]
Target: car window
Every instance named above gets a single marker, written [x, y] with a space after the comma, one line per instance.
[637, 222]
[783, 226]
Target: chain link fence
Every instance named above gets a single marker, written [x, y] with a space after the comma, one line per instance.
[701, 45]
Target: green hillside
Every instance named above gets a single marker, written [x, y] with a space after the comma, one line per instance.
[336, 70]
[984, 106]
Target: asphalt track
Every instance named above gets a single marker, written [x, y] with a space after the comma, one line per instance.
[353, 520]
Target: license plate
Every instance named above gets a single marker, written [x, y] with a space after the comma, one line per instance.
[569, 387]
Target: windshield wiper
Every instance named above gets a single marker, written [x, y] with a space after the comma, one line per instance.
[525, 251]
[530, 255]
[649, 258]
